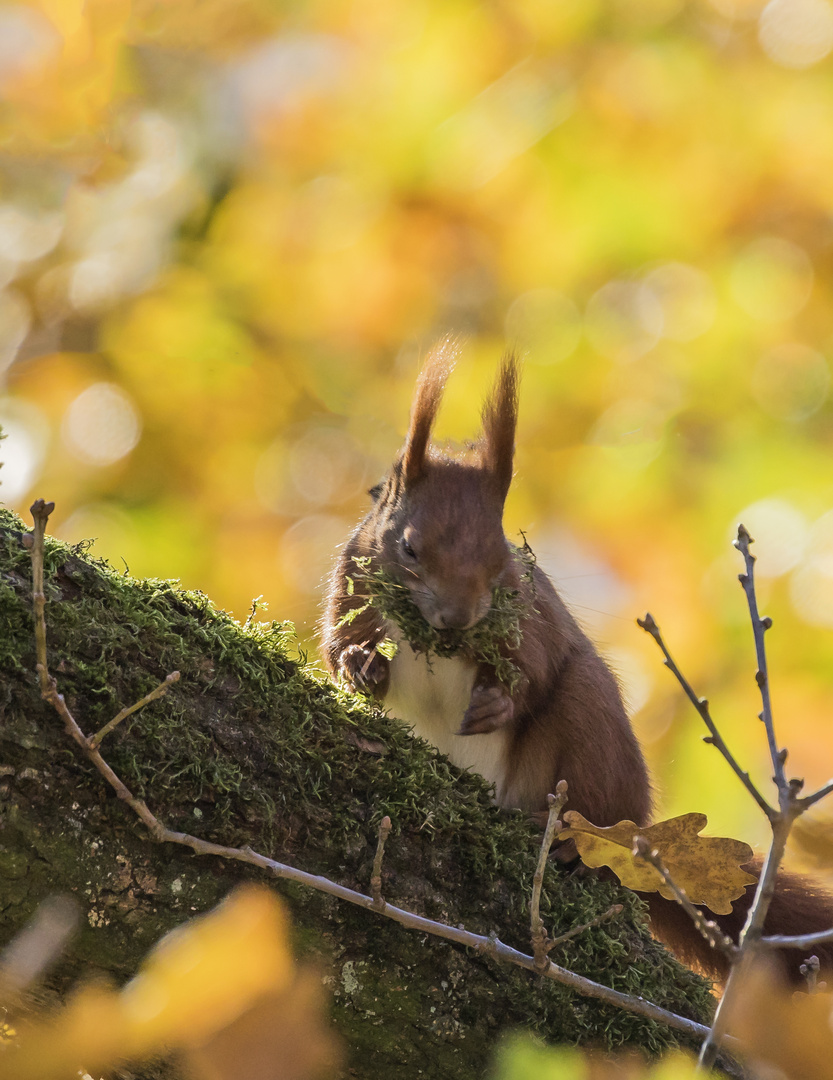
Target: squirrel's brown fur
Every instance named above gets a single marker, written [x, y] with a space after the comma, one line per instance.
[436, 526]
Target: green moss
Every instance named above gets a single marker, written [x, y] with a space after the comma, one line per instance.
[254, 746]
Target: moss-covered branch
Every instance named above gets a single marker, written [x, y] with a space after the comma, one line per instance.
[254, 748]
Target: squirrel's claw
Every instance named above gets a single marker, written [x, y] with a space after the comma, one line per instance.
[490, 708]
[363, 668]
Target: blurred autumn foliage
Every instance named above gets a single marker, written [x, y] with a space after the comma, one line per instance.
[221, 991]
[228, 230]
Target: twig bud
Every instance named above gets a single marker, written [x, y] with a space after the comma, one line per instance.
[810, 970]
[641, 847]
[40, 509]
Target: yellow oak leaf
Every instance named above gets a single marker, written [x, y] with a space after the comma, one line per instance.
[706, 867]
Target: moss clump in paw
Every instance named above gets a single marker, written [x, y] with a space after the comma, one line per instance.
[488, 641]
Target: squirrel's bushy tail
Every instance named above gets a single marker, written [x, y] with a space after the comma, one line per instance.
[799, 906]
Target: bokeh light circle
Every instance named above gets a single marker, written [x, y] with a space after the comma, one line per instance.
[686, 297]
[27, 41]
[796, 33]
[623, 320]
[102, 425]
[23, 449]
[15, 320]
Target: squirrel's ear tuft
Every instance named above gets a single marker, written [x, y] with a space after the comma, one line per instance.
[427, 397]
[500, 418]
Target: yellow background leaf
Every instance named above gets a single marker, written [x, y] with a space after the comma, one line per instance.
[706, 867]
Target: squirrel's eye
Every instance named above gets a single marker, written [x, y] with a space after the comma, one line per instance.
[407, 549]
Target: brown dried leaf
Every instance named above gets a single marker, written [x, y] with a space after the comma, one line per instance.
[707, 867]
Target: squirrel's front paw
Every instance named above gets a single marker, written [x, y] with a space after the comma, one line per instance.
[490, 708]
[363, 668]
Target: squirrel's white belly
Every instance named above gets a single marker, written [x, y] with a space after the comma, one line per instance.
[431, 696]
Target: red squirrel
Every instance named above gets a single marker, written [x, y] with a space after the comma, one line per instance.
[436, 527]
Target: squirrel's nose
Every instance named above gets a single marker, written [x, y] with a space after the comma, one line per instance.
[458, 618]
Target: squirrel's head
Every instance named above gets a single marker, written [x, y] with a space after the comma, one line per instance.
[439, 517]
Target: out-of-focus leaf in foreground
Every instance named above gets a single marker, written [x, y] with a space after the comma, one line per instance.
[707, 867]
[523, 1059]
[222, 979]
[783, 1033]
[280, 1038]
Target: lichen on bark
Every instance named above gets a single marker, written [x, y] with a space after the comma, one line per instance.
[255, 746]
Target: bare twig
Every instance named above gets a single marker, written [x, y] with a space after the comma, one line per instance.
[750, 937]
[555, 804]
[796, 941]
[376, 876]
[710, 930]
[489, 945]
[806, 801]
[790, 806]
[702, 706]
[606, 916]
[124, 793]
[40, 511]
[162, 689]
[759, 628]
